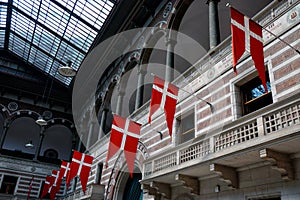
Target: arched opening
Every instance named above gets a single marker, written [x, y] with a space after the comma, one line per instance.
[133, 188]
[129, 188]
[21, 131]
[57, 143]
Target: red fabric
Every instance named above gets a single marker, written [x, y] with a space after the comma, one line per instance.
[238, 37]
[30, 187]
[49, 183]
[130, 145]
[169, 105]
[80, 169]
[256, 46]
[46, 186]
[54, 188]
[63, 172]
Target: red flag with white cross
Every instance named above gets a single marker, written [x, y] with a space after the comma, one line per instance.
[164, 98]
[49, 183]
[80, 166]
[54, 188]
[63, 172]
[124, 136]
[247, 36]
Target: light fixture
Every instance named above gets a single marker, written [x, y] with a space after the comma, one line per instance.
[67, 70]
[40, 121]
[29, 145]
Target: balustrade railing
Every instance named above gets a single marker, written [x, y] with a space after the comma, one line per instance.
[270, 120]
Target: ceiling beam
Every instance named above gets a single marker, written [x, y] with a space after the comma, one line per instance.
[38, 48]
[8, 23]
[49, 30]
[74, 15]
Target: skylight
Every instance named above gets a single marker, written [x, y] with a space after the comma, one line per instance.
[48, 33]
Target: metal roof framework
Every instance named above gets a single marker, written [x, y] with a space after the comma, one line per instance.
[49, 33]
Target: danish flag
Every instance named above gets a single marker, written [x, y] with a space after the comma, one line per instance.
[124, 136]
[247, 36]
[49, 183]
[80, 166]
[63, 172]
[164, 97]
[55, 187]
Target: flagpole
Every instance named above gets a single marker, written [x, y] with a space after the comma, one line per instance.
[277, 37]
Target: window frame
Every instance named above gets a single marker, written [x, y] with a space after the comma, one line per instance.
[241, 79]
[179, 127]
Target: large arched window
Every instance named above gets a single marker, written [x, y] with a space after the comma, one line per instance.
[57, 140]
[21, 131]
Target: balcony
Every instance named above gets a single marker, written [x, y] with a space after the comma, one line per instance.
[269, 136]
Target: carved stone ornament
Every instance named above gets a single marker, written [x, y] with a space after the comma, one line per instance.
[167, 10]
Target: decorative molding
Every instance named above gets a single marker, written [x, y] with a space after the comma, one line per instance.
[192, 183]
[281, 162]
[151, 191]
[163, 189]
[168, 9]
[228, 174]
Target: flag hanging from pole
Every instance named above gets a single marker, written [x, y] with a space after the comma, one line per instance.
[56, 184]
[247, 36]
[124, 136]
[64, 171]
[80, 166]
[49, 183]
[164, 97]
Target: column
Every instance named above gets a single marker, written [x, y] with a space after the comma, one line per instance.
[38, 148]
[170, 43]
[5, 128]
[120, 101]
[140, 88]
[102, 123]
[214, 30]
[91, 128]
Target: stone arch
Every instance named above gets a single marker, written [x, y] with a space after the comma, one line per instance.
[21, 130]
[120, 165]
[59, 136]
[157, 32]
[4, 111]
[4, 116]
[174, 20]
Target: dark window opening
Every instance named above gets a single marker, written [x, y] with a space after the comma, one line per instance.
[8, 184]
[254, 96]
[133, 189]
[186, 127]
[99, 173]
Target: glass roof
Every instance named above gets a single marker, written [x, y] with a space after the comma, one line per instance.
[48, 33]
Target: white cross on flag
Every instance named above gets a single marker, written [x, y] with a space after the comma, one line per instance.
[49, 183]
[80, 166]
[164, 97]
[63, 172]
[124, 136]
[247, 36]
